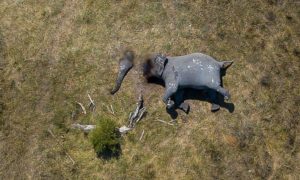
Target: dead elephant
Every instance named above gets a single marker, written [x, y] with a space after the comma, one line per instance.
[197, 71]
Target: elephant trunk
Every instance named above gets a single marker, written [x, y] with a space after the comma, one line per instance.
[119, 80]
[125, 64]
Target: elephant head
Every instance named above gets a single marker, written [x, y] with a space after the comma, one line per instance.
[125, 64]
[154, 66]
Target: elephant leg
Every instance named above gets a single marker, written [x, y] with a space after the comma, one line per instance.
[185, 107]
[179, 101]
[171, 83]
[178, 97]
[170, 103]
[222, 91]
[214, 100]
[170, 90]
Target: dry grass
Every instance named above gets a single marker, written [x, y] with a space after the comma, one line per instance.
[52, 53]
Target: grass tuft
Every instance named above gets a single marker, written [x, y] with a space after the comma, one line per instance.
[106, 139]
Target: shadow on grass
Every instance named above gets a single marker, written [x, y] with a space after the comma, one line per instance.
[202, 95]
[108, 154]
[195, 94]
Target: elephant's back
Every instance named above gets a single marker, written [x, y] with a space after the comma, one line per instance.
[194, 58]
[196, 70]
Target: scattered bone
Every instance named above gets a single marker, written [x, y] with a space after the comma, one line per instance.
[74, 114]
[68, 155]
[130, 114]
[173, 121]
[142, 135]
[165, 122]
[124, 129]
[112, 109]
[135, 117]
[84, 128]
[141, 114]
[92, 104]
[135, 114]
[82, 107]
[87, 128]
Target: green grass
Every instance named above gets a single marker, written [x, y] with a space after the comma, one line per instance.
[106, 139]
[52, 53]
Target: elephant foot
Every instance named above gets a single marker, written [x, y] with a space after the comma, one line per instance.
[185, 107]
[224, 92]
[214, 107]
[170, 104]
[227, 97]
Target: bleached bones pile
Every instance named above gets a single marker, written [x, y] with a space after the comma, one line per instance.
[134, 117]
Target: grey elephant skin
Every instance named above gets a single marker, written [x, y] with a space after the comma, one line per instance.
[125, 64]
[197, 71]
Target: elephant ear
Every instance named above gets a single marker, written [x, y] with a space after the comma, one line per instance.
[160, 61]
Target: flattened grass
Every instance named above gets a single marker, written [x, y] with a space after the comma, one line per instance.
[52, 53]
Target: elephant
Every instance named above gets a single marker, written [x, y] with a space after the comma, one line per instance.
[196, 71]
[125, 64]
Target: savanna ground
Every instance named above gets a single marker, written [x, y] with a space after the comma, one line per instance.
[52, 53]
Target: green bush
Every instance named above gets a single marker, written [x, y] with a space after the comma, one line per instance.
[106, 139]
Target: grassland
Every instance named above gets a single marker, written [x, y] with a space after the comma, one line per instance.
[52, 53]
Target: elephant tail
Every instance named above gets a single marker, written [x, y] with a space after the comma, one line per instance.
[225, 64]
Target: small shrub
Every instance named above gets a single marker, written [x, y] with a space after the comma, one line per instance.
[106, 139]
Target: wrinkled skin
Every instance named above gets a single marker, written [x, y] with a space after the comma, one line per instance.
[197, 70]
[125, 64]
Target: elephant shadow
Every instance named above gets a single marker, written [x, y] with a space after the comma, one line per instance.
[195, 94]
[201, 95]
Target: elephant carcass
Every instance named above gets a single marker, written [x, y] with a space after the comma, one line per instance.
[197, 71]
